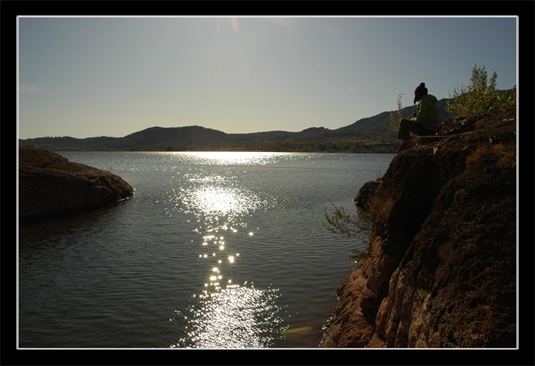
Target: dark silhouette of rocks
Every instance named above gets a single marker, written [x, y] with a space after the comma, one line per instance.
[441, 270]
[51, 185]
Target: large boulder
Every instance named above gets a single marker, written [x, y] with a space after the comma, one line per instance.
[51, 185]
[441, 264]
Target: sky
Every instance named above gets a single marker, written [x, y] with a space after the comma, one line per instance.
[113, 76]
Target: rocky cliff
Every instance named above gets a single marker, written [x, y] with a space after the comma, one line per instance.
[441, 269]
[51, 185]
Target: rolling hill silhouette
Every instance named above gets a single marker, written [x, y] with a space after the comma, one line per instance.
[371, 134]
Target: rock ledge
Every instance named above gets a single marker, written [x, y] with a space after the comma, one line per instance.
[51, 185]
[441, 270]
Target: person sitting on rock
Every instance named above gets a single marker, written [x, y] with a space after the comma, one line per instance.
[425, 121]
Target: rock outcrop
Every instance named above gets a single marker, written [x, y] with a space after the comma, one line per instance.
[51, 185]
[441, 270]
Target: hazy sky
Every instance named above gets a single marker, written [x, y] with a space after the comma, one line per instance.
[112, 76]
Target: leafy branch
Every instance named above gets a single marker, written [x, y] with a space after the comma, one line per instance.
[480, 97]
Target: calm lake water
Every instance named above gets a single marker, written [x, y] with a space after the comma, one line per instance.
[216, 250]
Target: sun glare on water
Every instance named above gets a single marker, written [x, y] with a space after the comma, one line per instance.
[234, 157]
[233, 317]
[226, 312]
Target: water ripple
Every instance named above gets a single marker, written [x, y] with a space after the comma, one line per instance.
[234, 317]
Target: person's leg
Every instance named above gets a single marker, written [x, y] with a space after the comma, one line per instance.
[417, 129]
[404, 130]
[406, 126]
[404, 134]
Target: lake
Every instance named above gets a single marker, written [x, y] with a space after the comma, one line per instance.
[215, 250]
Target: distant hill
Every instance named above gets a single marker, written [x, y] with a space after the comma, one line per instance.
[371, 134]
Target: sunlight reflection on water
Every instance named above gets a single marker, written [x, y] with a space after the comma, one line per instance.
[235, 157]
[217, 201]
[211, 199]
[225, 314]
[233, 317]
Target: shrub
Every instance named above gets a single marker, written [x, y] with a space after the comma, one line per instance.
[394, 122]
[352, 224]
[359, 224]
[481, 96]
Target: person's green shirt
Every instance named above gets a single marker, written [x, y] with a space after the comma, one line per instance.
[428, 112]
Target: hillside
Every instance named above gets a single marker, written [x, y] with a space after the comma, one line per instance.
[441, 265]
[371, 134]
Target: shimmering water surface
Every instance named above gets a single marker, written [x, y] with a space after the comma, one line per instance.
[216, 250]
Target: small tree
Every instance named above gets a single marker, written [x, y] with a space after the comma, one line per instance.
[481, 96]
[359, 225]
[351, 224]
[394, 122]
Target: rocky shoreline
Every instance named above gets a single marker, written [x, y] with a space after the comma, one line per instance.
[50, 185]
[441, 269]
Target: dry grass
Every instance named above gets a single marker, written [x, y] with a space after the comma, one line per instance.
[504, 155]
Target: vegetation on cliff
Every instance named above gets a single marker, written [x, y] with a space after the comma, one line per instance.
[480, 96]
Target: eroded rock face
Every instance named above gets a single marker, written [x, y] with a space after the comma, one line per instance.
[50, 185]
[442, 266]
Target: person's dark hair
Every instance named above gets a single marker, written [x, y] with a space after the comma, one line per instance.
[419, 92]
